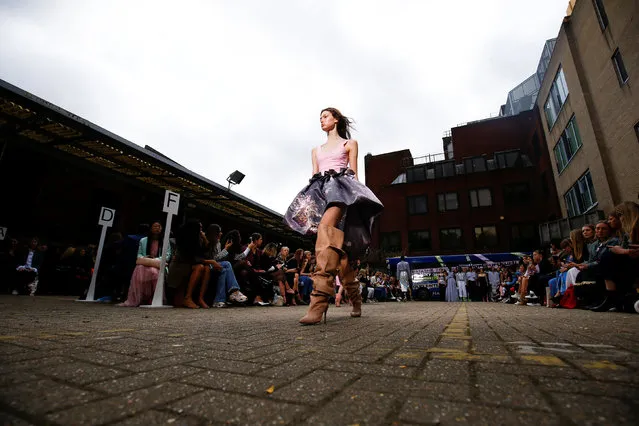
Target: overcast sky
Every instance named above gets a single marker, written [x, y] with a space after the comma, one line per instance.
[238, 84]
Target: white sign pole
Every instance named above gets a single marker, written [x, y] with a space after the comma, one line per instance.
[106, 220]
[171, 205]
[3, 232]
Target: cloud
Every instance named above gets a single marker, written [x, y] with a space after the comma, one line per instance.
[227, 85]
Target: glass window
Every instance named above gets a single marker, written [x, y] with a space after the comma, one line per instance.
[568, 144]
[481, 197]
[485, 236]
[447, 201]
[417, 204]
[556, 98]
[475, 164]
[602, 17]
[416, 174]
[516, 193]
[418, 241]
[581, 196]
[451, 238]
[620, 68]
[391, 241]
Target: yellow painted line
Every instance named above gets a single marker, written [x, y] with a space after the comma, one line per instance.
[73, 333]
[456, 336]
[408, 355]
[116, 330]
[456, 356]
[46, 336]
[602, 365]
[545, 360]
[9, 337]
[175, 335]
[445, 350]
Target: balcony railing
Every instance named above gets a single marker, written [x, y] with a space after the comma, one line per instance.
[560, 229]
[426, 159]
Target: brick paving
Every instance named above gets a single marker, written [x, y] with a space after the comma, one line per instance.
[402, 363]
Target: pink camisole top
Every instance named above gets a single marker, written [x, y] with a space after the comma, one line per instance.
[336, 159]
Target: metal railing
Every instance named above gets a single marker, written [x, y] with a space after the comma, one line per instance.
[560, 229]
[426, 159]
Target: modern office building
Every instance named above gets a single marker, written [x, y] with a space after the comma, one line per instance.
[591, 109]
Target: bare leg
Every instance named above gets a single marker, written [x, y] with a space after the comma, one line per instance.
[196, 274]
[206, 275]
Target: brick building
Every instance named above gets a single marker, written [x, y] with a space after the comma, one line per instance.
[487, 192]
[591, 109]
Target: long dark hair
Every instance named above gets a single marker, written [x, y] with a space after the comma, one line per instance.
[234, 236]
[344, 124]
[213, 234]
[150, 237]
[188, 238]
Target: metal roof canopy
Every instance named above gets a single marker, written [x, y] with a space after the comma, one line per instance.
[25, 116]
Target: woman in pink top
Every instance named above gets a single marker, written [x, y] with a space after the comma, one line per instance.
[340, 210]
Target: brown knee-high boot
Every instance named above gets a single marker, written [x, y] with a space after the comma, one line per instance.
[328, 252]
[351, 285]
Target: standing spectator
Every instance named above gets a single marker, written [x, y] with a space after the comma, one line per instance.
[482, 285]
[461, 284]
[451, 288]
[471, 284]
[442, 282]
[493, 280]
[404, 276]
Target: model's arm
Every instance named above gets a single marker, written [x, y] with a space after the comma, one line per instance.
[314, 159]
[352, 156]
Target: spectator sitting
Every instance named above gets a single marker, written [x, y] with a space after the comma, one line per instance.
[274, 265]
[494, 281]
[147, 270]
[304, 281]
[293, 274]
[127, 260]
[29, 261]
[616, 230]
[227, 286]
[588, 232]
[620, 266]
[247, 267]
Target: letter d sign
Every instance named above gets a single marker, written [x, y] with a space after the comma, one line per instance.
[171, 202]
[106, 217]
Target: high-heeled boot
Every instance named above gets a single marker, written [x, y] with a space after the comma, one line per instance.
[351, 285]
[328, 252]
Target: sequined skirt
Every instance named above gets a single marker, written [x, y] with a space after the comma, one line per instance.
[336, 188]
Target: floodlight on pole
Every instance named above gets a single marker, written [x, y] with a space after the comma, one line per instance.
[235, 178]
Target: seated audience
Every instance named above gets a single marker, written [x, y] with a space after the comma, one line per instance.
[147, 270]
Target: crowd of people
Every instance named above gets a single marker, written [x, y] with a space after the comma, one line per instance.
[597, 268]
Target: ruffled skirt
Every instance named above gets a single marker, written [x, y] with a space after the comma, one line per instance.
[333, 188]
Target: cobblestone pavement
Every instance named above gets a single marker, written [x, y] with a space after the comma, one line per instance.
[402, 363]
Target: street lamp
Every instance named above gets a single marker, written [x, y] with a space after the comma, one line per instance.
[235, 178]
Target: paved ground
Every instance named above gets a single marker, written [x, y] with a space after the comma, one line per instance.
[411, 363]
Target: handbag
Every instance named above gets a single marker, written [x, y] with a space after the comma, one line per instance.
[569, 299]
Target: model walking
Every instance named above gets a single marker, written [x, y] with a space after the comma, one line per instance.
[340, 210]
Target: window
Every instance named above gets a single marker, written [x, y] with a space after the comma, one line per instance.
[481, 197]
[620, 68]
[601, 14]
[523, 236]
[450, 238]
[476, 164]
[568, 144]
[556, 98]
[416, 174]
[485, 237]
[417, 204]
[418, 241]
[447, 201]
[444, 169]
[516, 193]
[581, 196]
[391, 241]
[508, 159]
